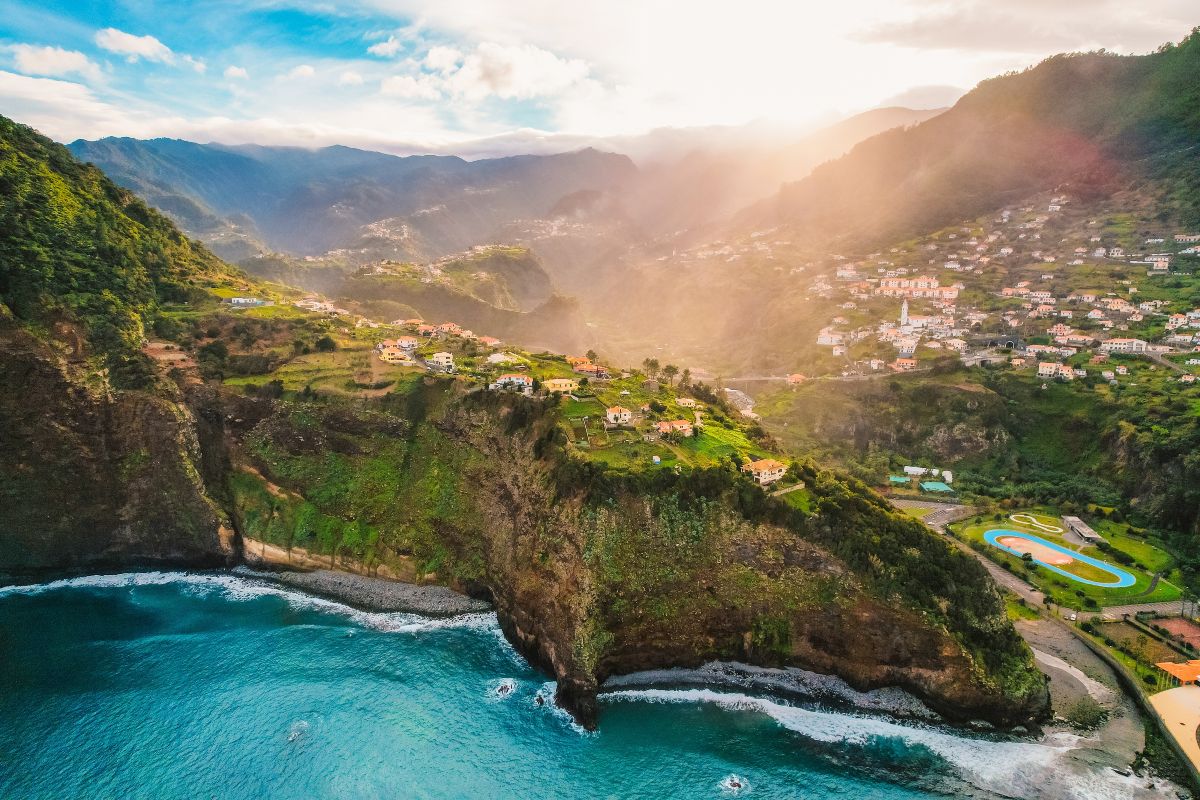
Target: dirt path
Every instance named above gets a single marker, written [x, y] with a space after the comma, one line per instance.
[1077, 674]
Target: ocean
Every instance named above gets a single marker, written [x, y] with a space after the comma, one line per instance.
[213, 685]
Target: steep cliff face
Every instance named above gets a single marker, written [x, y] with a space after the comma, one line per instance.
[593, 577]
[92, 478]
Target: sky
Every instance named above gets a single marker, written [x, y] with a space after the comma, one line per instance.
[455, 75]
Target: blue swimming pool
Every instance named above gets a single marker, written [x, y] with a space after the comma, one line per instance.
[1123, 578]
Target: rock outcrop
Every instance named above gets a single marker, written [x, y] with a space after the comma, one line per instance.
[94, 478]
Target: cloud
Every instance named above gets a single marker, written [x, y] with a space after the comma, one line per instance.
[236, 73]
[512, 72]
[350, 78]
[64, 111]
[409, 87]
[1032, 27]
[196, 63]
[442, 59]
[924, 97]
[54, 62]
[387, 48]
[134, 47]
[301, 71]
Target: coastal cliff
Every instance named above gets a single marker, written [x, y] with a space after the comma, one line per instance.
[93, 477]
[594, 575]
[110, 459]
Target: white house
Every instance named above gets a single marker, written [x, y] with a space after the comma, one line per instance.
[619, 415]
[514, 380]
[443, 361]
[1123, 345]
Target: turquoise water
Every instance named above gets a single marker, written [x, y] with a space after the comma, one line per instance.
[1123, 578]
[166, 685]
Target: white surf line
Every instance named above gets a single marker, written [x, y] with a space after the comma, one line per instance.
[1097, 690]
[239, 588]
[1040, 769]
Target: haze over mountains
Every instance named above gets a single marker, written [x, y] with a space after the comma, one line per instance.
[723, 231]
[307, 202]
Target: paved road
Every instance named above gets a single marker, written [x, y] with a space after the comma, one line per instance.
[945, 513]
[1172, 608]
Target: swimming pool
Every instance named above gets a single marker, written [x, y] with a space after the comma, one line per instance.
[1123, 578]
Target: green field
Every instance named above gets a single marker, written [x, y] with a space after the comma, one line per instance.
[1147, 555]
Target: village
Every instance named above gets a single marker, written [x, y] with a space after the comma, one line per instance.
[1055, 297]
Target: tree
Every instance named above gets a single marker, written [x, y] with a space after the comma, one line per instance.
[326, 344]
[650, 365]
[686, 377]
[669, 372]
[592, 356]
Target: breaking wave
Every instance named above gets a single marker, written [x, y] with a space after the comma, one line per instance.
[1024, 769]
[238, 588]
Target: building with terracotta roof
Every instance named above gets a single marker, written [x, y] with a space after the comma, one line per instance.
[765, 470]
[619, 415]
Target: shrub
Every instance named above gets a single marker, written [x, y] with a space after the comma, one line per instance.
[1086, 714]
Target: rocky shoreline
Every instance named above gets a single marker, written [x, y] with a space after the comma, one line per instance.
[374, 594]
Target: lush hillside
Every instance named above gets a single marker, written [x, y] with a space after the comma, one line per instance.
[1088, 122]
[310, 201]
[76, 247]
[595, 570]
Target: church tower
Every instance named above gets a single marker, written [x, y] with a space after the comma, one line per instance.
[904, 313]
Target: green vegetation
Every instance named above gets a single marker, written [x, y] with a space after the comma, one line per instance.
[1074, 594]
[75, 246]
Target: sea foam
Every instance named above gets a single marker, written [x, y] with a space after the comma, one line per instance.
[1033, 770]
[239, 588]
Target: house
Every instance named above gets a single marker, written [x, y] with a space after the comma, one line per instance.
[442, 361]
[1187, 378]
[449, 328]
[514, 380]
[563, 385]
[828, 337]
[592, 370]
[676, 426]
[489, 341]
[795, 379]
[1047, 369]
[618, 415]
[765, 470]
[686, 402]
[1018, 362]
[1123, 345]
[1122, 370]
[396, 356]
[904, 364]
[575, 361]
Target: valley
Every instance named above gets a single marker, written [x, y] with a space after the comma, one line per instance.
[904, 407]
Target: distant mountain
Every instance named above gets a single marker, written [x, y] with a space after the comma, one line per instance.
[308, 202]
[1089, 122]
[712, 177]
